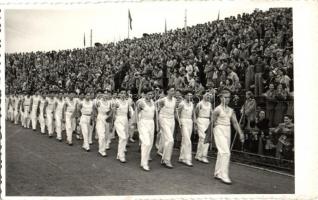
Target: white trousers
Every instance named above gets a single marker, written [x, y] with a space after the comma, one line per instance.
[26, 117]
[146, 129]
[186, 145]
[121, 126]
[33, 119]
[103, 133]
[85, 128]
[49, 122]
[69, 126]
[167, 129]
[16, 116]
[202, 149]
[10, 114]
[42, 123]
[58, 125]
[222, 136]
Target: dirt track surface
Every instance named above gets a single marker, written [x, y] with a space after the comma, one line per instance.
[40, 166]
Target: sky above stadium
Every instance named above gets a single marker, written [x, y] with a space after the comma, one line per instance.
[64, 28]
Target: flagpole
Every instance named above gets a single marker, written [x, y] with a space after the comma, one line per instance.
[91, 37]
[128, 27]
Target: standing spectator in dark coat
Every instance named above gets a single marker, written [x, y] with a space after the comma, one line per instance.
[270, 104]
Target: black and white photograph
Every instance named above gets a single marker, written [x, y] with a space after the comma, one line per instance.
[149, 98]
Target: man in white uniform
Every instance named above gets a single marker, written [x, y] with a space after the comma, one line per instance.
[9, 108]
[223, 116]
[69, 111]
[58, 115]
[26, 105]
[49, 108]
[185, 118]
[102, 126]
[204, 114]
[167, 125]
[87, 108]
[146, 127]
[41, 113]
[16, 108]
[122, 109]
[34, 109]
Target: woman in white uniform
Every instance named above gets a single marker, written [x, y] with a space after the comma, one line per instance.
[122, 108]
[146, 127]
[204, 114]
[186, 117]
[223, 116]
[69, 111]
[167, 125]
[87, 111]
[58, 115]
[102, 126]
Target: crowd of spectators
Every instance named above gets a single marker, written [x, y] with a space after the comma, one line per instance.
[250, 52]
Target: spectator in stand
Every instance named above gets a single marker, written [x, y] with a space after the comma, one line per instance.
[281, 104]
[270, 104]
[262, 125]
[285, 144]
[259, 70]
[249, 110]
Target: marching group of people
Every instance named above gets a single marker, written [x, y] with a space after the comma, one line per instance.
[109, 114]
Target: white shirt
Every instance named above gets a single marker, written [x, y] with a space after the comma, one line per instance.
[148, 111]
[87, 107]
[224, 117]
[204, 109]
[167, 110]
[187, 110]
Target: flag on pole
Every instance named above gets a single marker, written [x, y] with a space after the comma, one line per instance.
[185, 19]
[165, 26]
[84, 40]
[219, 15]
[91, 38]
[130, 19]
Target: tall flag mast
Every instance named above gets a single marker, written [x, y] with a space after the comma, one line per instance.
[84, 40]
[185, 19]
[129, 22]
[91, 43]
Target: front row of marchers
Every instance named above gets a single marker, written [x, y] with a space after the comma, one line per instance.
[109, 115]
